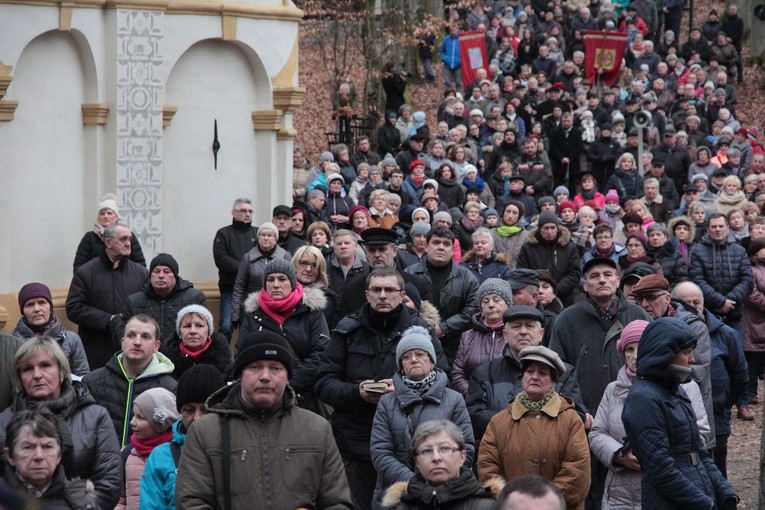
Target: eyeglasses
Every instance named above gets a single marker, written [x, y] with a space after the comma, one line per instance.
[443, 450]
[305, 263]
[650, 298]
[380, 290]
[244, 211]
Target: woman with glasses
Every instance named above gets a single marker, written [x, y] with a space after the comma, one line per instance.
[311, 269]
[287, 308]
[421, 394]
[540, 432]
[250, 276]
[443, 478]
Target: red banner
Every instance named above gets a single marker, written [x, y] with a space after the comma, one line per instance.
[603, 53]
[473, 56]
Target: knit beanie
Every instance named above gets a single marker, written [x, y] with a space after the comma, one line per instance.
[489, 211]
[34, 290]
[197, 309]
[109, 201]
[419, 229]
[415, 337]
[326, 156]
[159, 408]
[269, 226]
[546, 217]
[197, 384]
[612, 196]
[440, 216]
[413, 294]
[546, 201]
[282, 266]
[432, 182]
[561, 189]
[335, 177]
[358, 208]
[630, 335]
[640, 237]
[389, 160]
[566, 204]
[261, 345]
[496, 286]
[167, 260]
[518, 205]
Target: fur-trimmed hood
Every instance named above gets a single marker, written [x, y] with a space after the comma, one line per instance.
[313, 298]
[564, 235]
[430, 313]
[685, 220]
[394, 493]
[499, 257]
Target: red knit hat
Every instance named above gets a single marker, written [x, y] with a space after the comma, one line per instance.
[566, 204]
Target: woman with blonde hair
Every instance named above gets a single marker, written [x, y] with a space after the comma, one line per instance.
[731, 196]
[380, 215]
[626, 180]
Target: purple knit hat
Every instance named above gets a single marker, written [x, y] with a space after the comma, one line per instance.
[630, 334]
[34, 290]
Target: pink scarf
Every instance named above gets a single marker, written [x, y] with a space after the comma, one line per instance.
[145, 446]
[196, 353]
[280, 310]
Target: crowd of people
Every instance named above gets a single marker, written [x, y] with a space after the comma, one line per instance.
[509, 305]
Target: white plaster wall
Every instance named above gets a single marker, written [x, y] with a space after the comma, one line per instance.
[42, 166]
[19, 24]
[211, 80]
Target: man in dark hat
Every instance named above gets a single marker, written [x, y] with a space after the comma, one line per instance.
[667, 187]
[517, 187]
[412, 151]
[161, 298]
[311, 473]
[380, 247]
[676, 159]
[494, 384]
[282, 218]
[565, 148]
[525, 286]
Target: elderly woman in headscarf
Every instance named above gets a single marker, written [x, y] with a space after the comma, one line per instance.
[92, 243]
[483, 341]
[421, 394]
[607, 435]
[539, 433]
[285, 307]
[660, 424]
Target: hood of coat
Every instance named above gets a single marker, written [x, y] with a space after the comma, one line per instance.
[500, 257]
[56, 331]
[668, 249]
[313, 298]
[708, 240]
[159, 365]
[659, 344]
[180, 285]
[564, 236]
[407, 397]
[463, 486]
[671, 224]
[227, 401]
[430, 313]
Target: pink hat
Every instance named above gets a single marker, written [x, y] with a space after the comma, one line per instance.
[630, 334]
[612, 196]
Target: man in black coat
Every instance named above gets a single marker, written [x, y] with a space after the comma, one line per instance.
[282, 218]
[565, 148]
[676, 159]
[99, 292]
[362, 350]
[229, 246]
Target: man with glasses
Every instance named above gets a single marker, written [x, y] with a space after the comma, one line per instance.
[652, 295]
[361, 352]
[229, 246]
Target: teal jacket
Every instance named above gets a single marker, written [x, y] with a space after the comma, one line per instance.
[158, 480]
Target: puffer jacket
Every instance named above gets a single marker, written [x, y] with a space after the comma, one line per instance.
[218, 355]
[229, 246]
[112, 388]
[97, 292]
[283, 458]
[250, 277]
[95, 449]
[92, 246]
[159, 475]
[338, 203]
[560, 257]
[550, 443]
[456, 303]
[462, 493]
[729, 371]
[723, 272]
[130, 498]
[307, 332]
[397, 417]
[61, 494]
[661, 427]
[478, 345]
[496, 266]
[360, 350]
[450, 192]
[628, 185]
[511, 245]
[754, 310]
[163, 310]
[69, 341]
[617, 250]
[496, 383]
[581, 338]
[673, 266]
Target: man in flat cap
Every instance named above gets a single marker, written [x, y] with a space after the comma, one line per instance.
[525, 285]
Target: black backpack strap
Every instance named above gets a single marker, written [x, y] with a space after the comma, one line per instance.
[226, 456]
[175, 449]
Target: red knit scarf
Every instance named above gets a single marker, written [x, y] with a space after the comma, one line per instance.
[145, 446]
[280, 310]
[195, 354]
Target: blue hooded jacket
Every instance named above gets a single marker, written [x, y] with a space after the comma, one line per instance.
[158, 480]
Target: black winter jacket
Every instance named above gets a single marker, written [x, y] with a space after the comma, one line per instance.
[229, 246]
[673, 265]
[98, 291]
[359, 350]
[560, 257]
[91, 246]
[218, 355]
[163, 310]
[95, 453]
